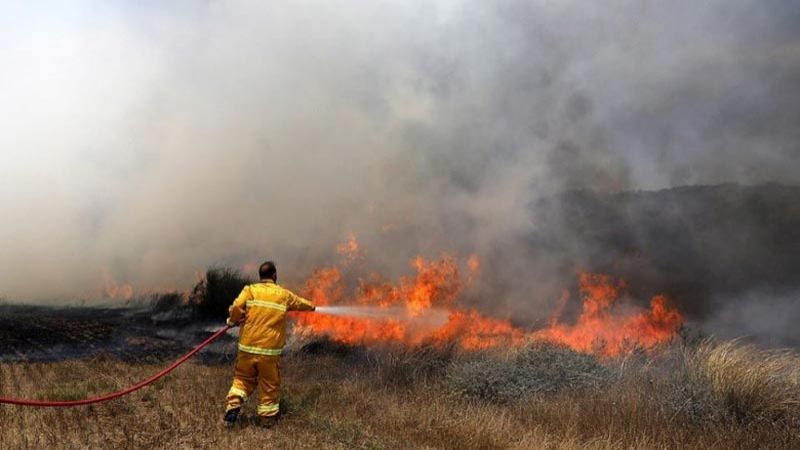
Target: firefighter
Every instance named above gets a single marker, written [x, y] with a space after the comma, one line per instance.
[261, 311]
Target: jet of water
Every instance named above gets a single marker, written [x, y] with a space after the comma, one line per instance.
[432, 316]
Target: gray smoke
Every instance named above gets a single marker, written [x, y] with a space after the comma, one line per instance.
[143, 142]
[769, 318]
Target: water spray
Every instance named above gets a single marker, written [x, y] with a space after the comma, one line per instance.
[431, 317]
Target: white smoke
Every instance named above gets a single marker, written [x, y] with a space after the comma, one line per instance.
[150, 141]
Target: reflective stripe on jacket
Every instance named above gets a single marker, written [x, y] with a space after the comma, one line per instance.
[264, 306]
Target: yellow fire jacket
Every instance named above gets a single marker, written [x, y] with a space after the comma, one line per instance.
[263, 306]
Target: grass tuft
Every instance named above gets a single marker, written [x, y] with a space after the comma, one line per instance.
[748, 383]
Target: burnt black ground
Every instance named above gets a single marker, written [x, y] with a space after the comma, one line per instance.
[39, 333]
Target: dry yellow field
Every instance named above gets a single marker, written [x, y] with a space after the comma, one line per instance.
[398, 400]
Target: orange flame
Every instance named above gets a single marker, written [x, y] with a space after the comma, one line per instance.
[473, 331]
[607, 325]
[350, 249]
[113, 290]
[436, 285]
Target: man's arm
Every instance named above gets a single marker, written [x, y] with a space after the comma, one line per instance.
[297, 303]
[239, 307]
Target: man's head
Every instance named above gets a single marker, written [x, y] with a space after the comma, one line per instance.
[268, 271]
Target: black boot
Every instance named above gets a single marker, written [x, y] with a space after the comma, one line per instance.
[231, 416]
[268, 422]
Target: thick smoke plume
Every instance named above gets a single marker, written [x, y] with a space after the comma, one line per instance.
[143, 142]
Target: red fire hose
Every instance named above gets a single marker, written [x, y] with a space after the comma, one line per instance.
[135, 387]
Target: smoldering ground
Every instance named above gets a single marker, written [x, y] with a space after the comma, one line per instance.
[148, 141]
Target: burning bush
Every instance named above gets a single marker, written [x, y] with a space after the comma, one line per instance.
[540, 368]
[605, 329]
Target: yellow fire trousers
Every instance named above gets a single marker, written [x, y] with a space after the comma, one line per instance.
[256, 370]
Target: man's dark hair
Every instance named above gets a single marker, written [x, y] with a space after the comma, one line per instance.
[268, 271]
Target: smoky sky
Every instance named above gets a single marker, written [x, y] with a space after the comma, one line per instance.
[145, 141]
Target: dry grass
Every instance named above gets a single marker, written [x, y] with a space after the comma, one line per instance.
[750, 384]
[399, 399]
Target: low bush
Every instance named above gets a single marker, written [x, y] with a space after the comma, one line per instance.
[217, 291]
[404, 366]
[324, 346]
[540, 368]
[661, 381]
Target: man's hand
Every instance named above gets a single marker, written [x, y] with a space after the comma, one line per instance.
[231, 323]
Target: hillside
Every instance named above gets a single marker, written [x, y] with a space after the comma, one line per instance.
[691, 242]
[727, 255]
